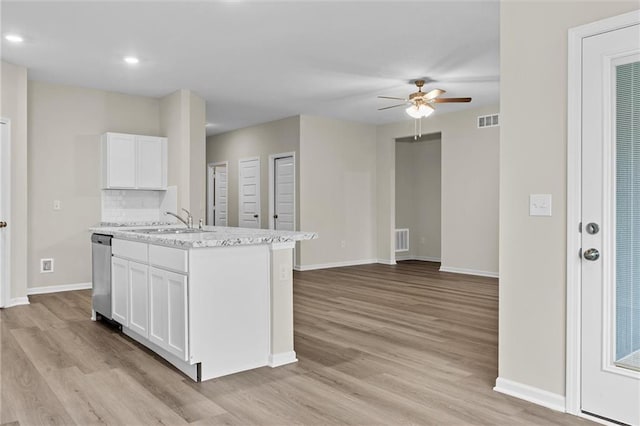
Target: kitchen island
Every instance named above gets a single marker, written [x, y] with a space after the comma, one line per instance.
[211, 301]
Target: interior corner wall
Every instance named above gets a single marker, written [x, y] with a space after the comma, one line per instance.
[418, 198]
[337, 192]
[470, 186]
[182, 121]
[13, 90]
[261, 140]
[65, 124]
[533, 146]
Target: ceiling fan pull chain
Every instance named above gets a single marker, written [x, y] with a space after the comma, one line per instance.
[420, 128]
[415, 130]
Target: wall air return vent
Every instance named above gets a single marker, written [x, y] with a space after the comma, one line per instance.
[488, 121]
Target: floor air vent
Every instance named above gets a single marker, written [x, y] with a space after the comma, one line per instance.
[402, 239]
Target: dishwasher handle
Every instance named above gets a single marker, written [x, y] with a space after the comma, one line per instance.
[101, 239]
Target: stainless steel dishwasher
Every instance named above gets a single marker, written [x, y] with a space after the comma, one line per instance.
[101, 274]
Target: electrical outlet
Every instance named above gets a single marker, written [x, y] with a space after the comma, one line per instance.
[284, 272]
[422, 240]
[57, 205]
[343, 243]
[46, 265]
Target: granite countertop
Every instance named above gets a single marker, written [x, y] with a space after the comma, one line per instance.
[211, 236]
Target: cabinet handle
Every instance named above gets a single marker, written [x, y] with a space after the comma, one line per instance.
[3, 224]
[255, 216]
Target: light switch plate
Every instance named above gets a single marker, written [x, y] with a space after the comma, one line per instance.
[540, 205]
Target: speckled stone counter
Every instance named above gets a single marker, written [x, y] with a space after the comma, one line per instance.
[211, 236]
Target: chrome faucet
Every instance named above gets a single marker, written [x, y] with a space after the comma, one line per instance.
[188, 222]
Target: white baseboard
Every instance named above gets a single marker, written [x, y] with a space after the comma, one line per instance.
[421, 258]
[58, 288]
[17, 301]
[387, 262]
[334, 264]
[276, 360]
[477, 272]
[529, 393]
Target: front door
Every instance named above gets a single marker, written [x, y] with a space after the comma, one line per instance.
[610, 320]
[249, 196]
[284, 194]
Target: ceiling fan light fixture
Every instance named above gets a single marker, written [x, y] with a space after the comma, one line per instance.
[420, 111]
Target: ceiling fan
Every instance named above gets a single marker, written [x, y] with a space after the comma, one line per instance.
[421, 104]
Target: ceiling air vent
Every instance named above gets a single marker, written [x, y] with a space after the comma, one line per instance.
[488, 121]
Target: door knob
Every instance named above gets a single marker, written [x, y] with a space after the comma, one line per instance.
[255, 216]
[275, 216]
[3, 224]
[592, 228]
[591, 254]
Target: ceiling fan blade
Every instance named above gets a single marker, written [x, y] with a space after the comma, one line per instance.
[392, 106]
[431, 94]
[391, 97]
[448, 100]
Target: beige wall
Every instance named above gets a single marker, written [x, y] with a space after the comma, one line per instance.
[469, 188]
[418, 205]
[13, 88]
[261, 141]
[337, 191]
[533, 160]
[65, 124]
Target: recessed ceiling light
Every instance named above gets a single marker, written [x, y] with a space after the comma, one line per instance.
[131, 60]
[14, 38]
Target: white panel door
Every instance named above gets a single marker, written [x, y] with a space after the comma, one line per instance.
[610, 273]
[151, 162]
[120, 290]
[120, 160]
[220, 196]
[139, 298]
[5, 199]
[177, 310]
[284, 194]
[249, 193]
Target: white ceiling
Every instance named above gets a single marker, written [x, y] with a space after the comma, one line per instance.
[257, 61]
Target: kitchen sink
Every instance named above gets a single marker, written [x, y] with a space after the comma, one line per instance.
[167, 231]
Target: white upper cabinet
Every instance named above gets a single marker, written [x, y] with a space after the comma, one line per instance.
[134, 161]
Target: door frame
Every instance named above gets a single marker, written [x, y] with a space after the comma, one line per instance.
[272, 181]
[5, 214]
[210, 195]
[573, 391]
[259, 193]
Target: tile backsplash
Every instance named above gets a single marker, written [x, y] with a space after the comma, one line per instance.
[122, 206]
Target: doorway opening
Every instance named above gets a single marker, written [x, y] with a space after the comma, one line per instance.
[418, 198]
[217, 193]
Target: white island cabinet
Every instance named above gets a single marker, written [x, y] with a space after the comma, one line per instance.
[212, 303]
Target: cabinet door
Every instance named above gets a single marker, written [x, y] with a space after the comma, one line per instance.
[177, 313]
[151, 162]
[139, 298]
[169, 309]
[120, 160]
[120, 290]
[158, 306]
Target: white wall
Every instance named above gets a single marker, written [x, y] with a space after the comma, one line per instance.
[337, 191]
[13, 90]
[533, 148]
[261, 141]
[418, 197]
[65, 124]
[469, 188]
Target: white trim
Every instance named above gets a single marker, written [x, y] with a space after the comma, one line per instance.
[58, 288]
[283, 358]
[421, 258]
[574, 201]
[335, 264]
[466, 271]
[5, 193]
[542, 397]
[272, 179]
[386, 261]
[17, 301]
[210, 172]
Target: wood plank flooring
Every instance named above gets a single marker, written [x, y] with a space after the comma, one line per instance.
[377, 345]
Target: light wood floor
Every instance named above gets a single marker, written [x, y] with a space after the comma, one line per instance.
[376, 345]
